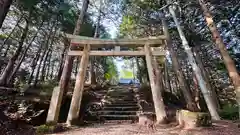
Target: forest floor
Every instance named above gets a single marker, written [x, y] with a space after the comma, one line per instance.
[218, 128]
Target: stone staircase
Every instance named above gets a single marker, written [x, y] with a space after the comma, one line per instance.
[119, 104]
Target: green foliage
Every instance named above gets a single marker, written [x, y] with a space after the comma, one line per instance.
[128, 25]
[221, 66]
[68, 18]
[43, 129]
[50, 128]
[3, 36]
[27, 4]
[110, 69]
[126, 74]
[229, 112]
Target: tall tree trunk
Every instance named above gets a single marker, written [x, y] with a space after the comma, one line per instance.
[51, 35]
[44, 56]
[196, 50]
[209, 101]
[196, 92]
[178, 71]
[4, 8]
[49, 66]
[9, 36]
[92, 73]
[138, 69]
[166, 76]
[76, 66]
[10, 65]
[38, 69]
[11, 77]
[43, 70]
[66, 43]
[145, 79]
[34, 64]
[231, 67]
[52, 71]
[54, 108]
[67, 69]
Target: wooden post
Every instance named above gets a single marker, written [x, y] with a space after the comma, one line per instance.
[55, 104]
[78, 89]
[155, 86]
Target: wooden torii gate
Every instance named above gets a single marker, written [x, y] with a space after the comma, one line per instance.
[148, 47]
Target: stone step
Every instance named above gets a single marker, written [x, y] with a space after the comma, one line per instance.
[119, 117]
[117, 112]
[119, 93]
[117, 104]
[122, 108]
[120, 96]
[120, 90]
[120, 103]
[110, 122]
[120, 100]
[101, 92]
[113, 92]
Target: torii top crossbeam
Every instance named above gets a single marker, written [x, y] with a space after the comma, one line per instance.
[80, 41]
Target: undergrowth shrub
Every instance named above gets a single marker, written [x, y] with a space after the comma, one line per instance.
[229, 112]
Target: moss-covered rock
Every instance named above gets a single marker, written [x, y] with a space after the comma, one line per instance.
[43, 129]
[190, 119]
[50, 128]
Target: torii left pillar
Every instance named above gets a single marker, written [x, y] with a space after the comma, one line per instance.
[73, 113]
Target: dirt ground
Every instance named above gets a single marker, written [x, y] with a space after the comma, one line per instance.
[218, 128]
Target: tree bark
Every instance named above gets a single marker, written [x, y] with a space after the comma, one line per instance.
[166, 76]
[54, 108]
[10, 65]
[44, 56]
[196, 50]
[77, 61]
[4, 8]
[52, 71]
[39, 67]
[34, 63]
[43, 71]
[11, 77]
[66, 43]
[209, 101]
[138, 69]
[178, 71]
[92, 73]
[9, 36]
[67, 69]
[49, 66]
[229, 63]
[51, 34]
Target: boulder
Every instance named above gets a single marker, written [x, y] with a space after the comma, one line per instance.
[188, 119]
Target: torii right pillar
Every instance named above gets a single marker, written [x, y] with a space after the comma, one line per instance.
[155, 85]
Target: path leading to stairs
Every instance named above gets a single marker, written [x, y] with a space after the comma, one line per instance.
[219, 128]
